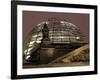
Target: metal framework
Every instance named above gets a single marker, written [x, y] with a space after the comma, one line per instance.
[59, 32]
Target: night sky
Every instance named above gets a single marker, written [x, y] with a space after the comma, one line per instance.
[32, 18]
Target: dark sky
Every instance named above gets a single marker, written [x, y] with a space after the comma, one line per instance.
[32, 18]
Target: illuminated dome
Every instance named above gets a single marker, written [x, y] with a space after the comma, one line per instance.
[51, 32]
[59, 32]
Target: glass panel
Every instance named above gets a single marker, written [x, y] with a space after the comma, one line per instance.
[65, 39]
[73, 39]
[56, 40]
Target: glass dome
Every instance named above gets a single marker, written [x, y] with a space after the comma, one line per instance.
[51, 32]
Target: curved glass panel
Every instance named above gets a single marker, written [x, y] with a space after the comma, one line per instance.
[51, 32]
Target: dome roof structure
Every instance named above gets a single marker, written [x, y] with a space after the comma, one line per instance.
[55, 32]
[59, 32]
